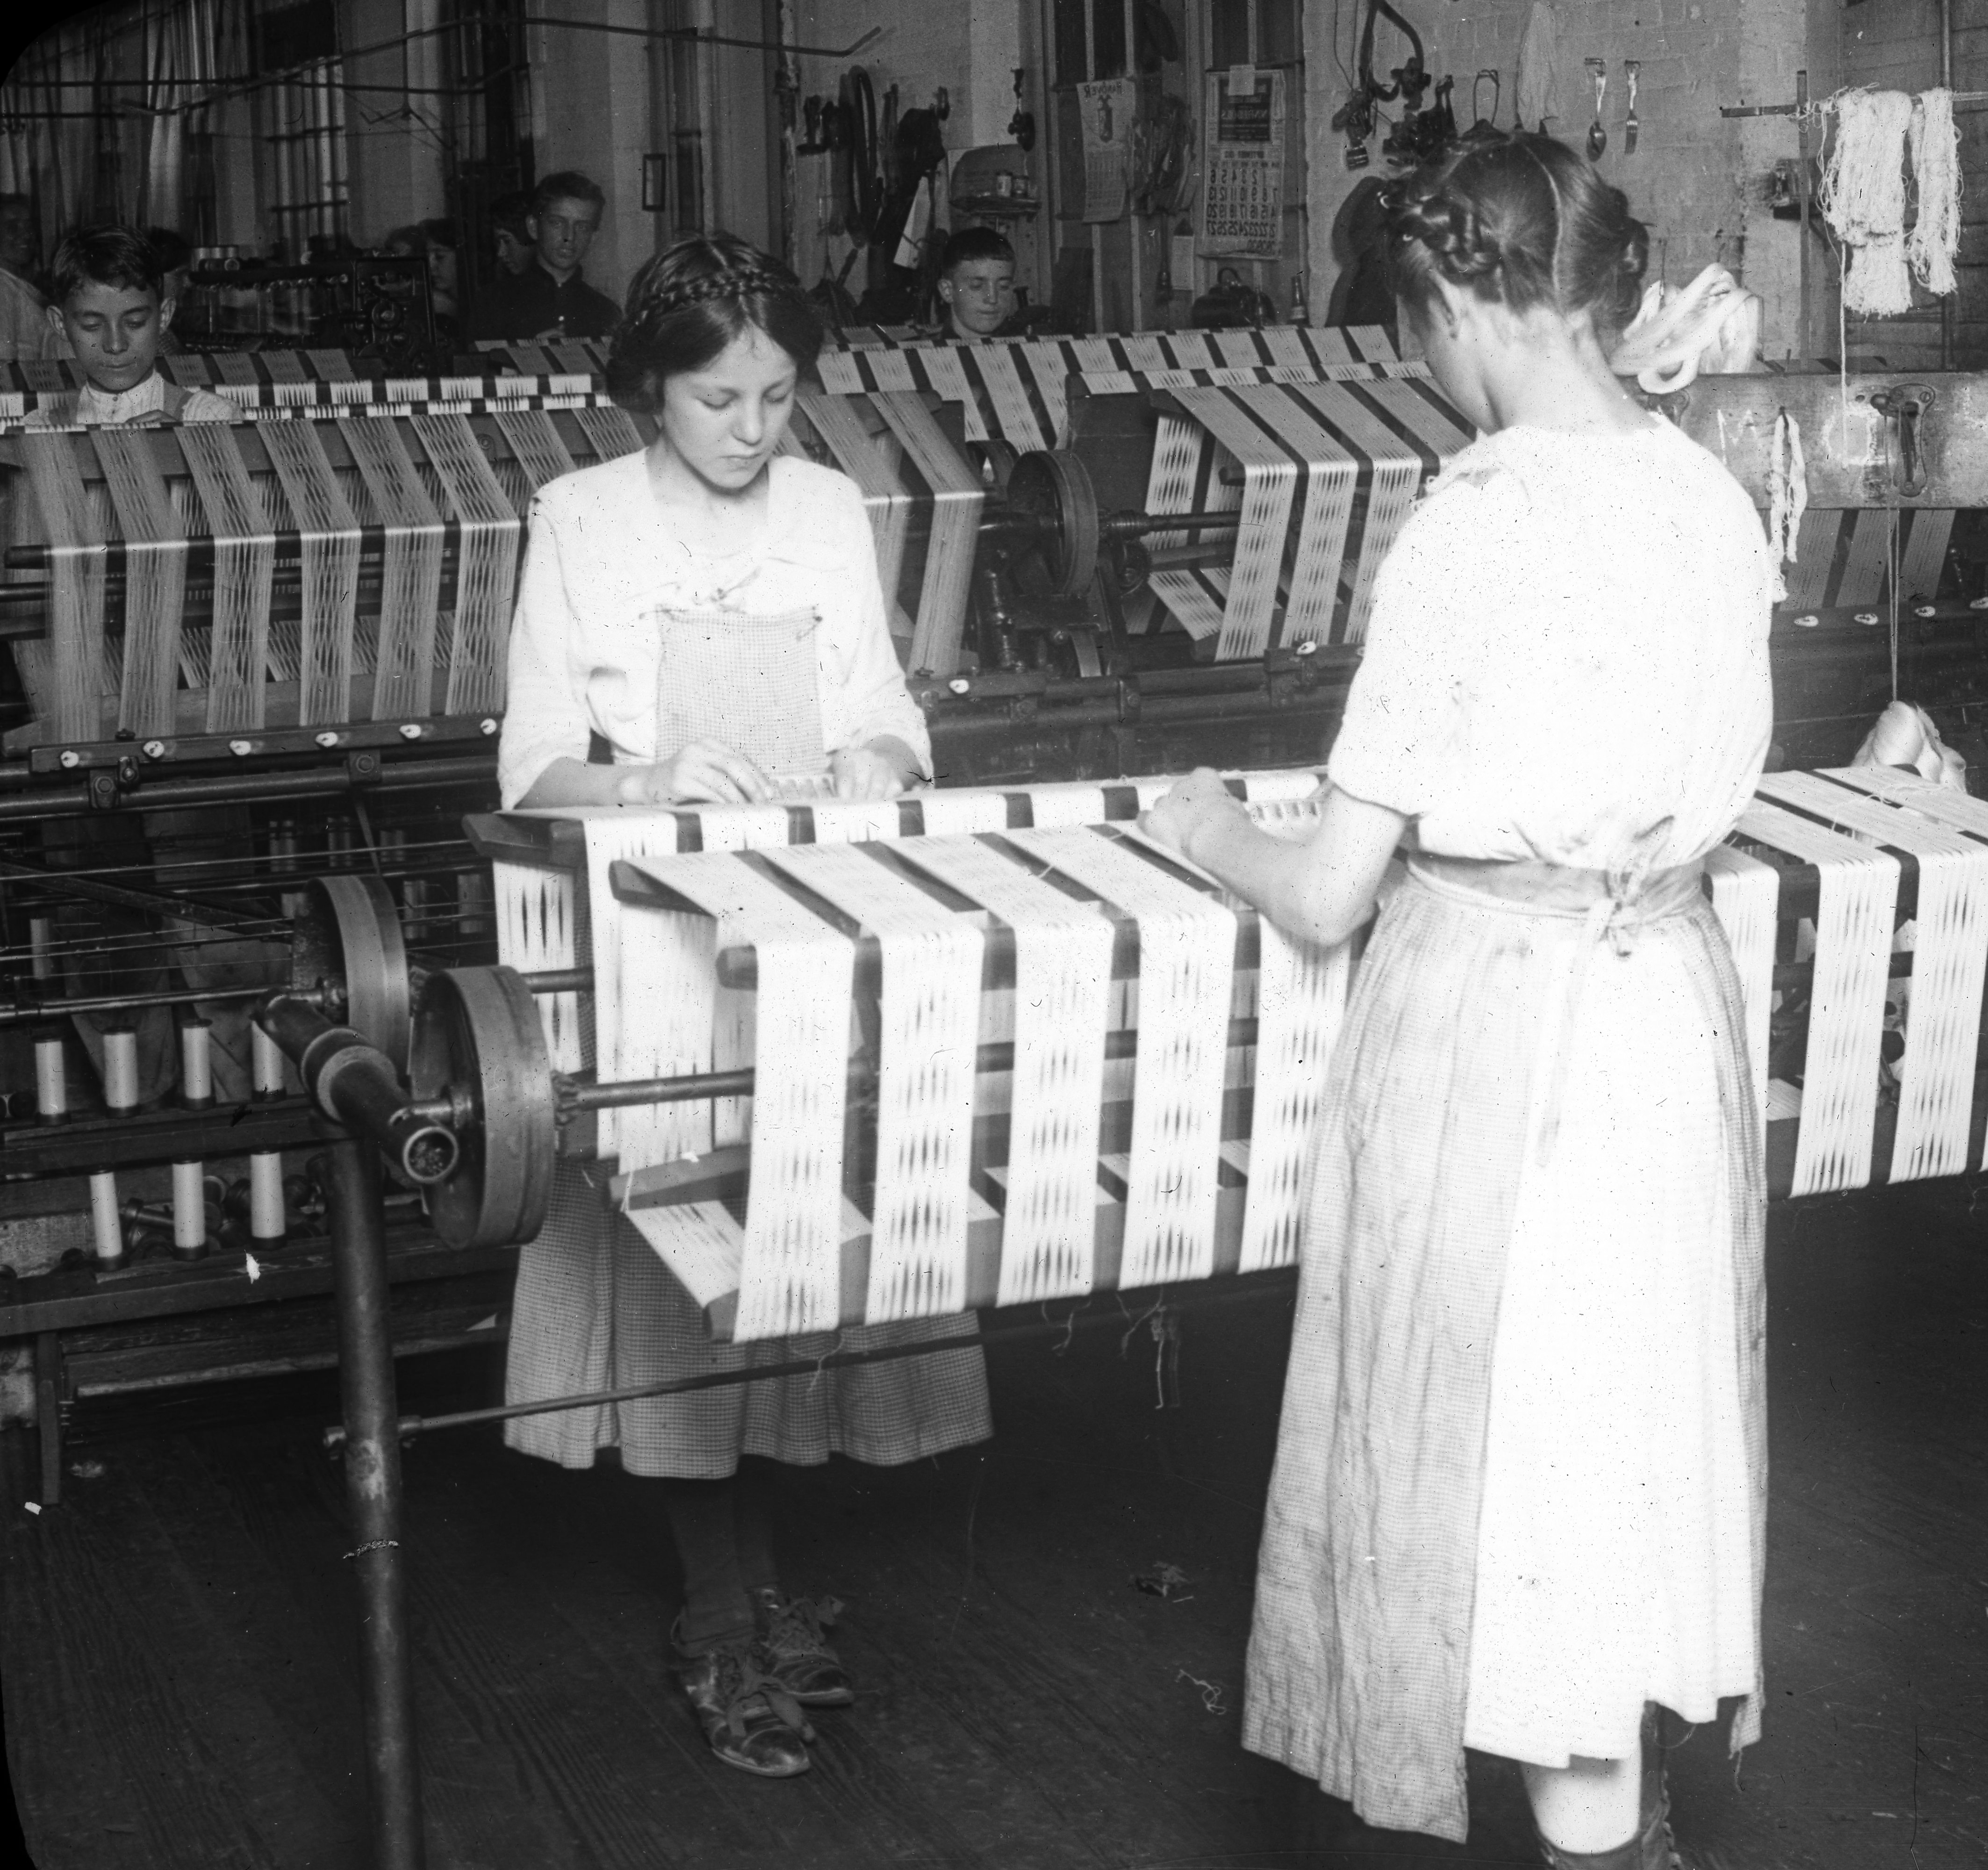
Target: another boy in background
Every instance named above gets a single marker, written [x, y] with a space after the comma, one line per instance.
[509, 215]
[976, 284]
[550, 300]
[24, 325]
[110, 311]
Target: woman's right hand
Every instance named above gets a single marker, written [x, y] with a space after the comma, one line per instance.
[705, 771]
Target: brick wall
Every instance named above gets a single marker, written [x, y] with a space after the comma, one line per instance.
[1700, 182]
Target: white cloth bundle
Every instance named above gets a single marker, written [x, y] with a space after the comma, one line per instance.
[1905, 736]
[1713, 324]
[1863, 198]
[1537, 91]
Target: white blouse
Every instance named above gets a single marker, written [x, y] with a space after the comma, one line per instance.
[1567, 657]
[603, 559]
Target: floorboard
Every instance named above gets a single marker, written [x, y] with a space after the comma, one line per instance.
[180, 1656]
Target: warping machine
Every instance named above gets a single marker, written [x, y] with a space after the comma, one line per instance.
[977, 1047]
[254, 655]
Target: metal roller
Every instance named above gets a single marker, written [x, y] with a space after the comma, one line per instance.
[477, 1045]
[348, 937]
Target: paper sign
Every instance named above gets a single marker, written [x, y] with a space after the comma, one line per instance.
[1243, 193]
[1108, 106]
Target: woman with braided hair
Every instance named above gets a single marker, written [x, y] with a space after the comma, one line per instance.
[709, 608]
[1519, 1493]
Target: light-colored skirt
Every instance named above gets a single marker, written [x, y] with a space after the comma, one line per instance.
[595, 1308]
[1520, 1483]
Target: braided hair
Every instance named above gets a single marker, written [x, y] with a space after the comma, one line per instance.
[690, 301]
[1523, 222]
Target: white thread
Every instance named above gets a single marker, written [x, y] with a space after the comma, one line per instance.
[1862, 197]
[1853, 944]
[929, 1024]
[1934, 239]
[154, 580]
[486, 563]
[1062, 979]
[1187, 943]
[322, 646]
[231, 512]
[410, 574]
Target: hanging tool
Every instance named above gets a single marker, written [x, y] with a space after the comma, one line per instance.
[1630, 67]
[1598, 137]
[1486, 125]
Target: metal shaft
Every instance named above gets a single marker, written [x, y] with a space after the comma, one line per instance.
[372, 1493]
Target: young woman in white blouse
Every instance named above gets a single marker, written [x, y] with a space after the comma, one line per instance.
[710, 610]
[1520, 1486]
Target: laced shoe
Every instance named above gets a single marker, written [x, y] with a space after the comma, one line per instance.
[749, 1718]
[790, 1648]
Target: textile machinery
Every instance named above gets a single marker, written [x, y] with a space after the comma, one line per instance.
[299, 617]
[1110, 557]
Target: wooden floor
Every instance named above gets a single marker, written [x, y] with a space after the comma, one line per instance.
[178, 1637]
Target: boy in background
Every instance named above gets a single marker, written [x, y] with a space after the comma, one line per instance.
[111, 310]
[509, 216]
[110, 313]
[23, 311]
[549, 300]
[175, 253]
[976, 285]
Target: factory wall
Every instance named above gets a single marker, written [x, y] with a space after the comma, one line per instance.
[1702, 182]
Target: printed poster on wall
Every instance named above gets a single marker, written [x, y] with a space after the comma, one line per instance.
[1106, 106]
[1242, 179]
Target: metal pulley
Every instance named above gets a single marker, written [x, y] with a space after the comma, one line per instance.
[1052, 488]
[349, 939]
[478, 1044]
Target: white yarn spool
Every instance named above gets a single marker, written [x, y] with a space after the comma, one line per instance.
[41, 939]
[189, 1209]
[267, 1064]
[196, 1063]
[120, 1069]
[51, 1079]
[104, 1223]
[265, 1199]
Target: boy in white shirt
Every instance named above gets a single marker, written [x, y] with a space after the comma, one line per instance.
[111, 310]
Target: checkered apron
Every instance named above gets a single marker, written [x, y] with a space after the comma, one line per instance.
[748, 681]
[595, 1309]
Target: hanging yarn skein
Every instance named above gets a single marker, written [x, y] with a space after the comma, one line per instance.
[1787, 496]
[1863, 198]
[1934, 239]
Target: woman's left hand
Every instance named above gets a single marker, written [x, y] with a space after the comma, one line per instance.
[859, 773]
[1190, 815]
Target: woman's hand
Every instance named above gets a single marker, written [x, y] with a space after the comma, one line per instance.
[861, 772]
[1193, 813]
[706, 770]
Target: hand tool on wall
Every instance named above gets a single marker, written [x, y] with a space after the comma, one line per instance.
[1598, 137]
[1630, 68]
